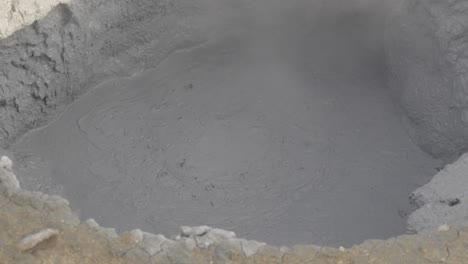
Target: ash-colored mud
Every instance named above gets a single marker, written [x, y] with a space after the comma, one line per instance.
[279, 135]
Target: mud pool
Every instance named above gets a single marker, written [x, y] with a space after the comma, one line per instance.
[247, 132]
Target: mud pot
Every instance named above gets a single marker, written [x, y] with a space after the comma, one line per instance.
[282, 132]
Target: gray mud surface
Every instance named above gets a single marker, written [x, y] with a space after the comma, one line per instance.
[282, 136]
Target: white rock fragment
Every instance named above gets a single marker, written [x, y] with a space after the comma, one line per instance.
[443, 228]
[7, 178]
[190, 243]
[188, 231]
[137, 235]
[251, 247]
[200, 230]
[92, 223]
[167, 245]
[204, 242]
[284, 249]
[108, 232]
[214, 236]
[342, 249]
[221, 233]
[6, 163]
[31, 241]
[152, 243]
[204, 236]
[185, 231]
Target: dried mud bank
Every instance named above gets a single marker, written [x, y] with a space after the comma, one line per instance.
[52, 60]
[426, 49]
[27, 216]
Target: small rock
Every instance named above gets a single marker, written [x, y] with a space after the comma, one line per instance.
[200, 230]
[107, 232]
[152, 243]
[187, 231]
[284, 249]
[342, 249]
[213, 236]
[6, 163]
[251, 247]
[190, 243]
[33, 240]
[7, 178]
[443, 228]
[204, 242]
[92, 223]
[221, 233]
[137, 235]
